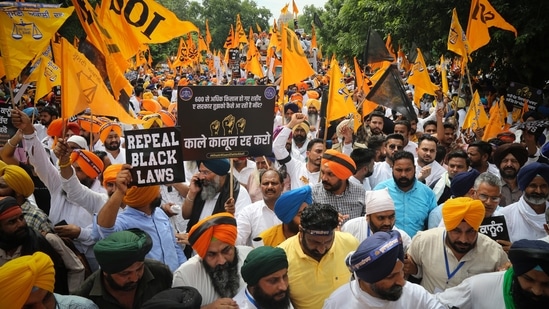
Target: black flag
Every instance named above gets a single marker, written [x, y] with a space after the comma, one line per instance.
[375, 50]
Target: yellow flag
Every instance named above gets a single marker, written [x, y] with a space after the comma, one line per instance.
[482, 16]
[457, 41]
[495, 124]
[340, 99]
[503, 110]
[419, 77]
[284, 10]
[202, 46]
[295, 10]
[258, 28]
[149, 21]
[83, 87]
[46, 74]
[389, 46]
[403, 62]
[181, 54]
[208, 35]
[476, 116]
[230, 41]
[25, 32]
[444, 76]
[295, 66]
[240, 34]
[364, 83]
[252, 58]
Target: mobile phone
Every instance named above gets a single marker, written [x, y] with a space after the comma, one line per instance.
[198, 182]
[60, 223]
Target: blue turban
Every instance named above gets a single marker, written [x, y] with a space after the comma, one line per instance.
[376, 256]
[463, 182]
[291, 106]
[218, 166]
[526, 255]
[288, 204]
[528, 172]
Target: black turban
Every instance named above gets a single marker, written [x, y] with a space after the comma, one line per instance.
[517, 150]
[526, 255]
[184, 297]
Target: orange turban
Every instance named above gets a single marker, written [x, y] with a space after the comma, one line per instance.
[151, 105]
[20, 275]
[55, 128]
[163, 101]
[90, 163]
[141, 196]
[91, 124]
[172, 107]
[151, 119]
[221, 226]
[167, 118]
[169, 83]
[340, 164]
[456, 210]
[313, 94]
[148, 95]
[107, 128]
[109, 175]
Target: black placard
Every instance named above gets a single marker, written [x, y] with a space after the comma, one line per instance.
[495, 228]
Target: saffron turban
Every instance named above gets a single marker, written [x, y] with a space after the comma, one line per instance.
[151, 105]
[376, 256]
[91, 124]
[9, 208]
[378, 201]
[288, 204]
[110, 173]
[20, 275]
[89, 162]
[517, 150]
[463, 182]
[219, 167]
[167, 118]
[56, 127]
[526, 255]
[340, 164]
[527, 173]
[17, 179]
[106, 129]
[183, 297]
[141, 196]
[122, 249]
[221, 226]
[263, 261]
[164, 102]
[151, 119]
[313, 94]
[456, 210]
[304, 125]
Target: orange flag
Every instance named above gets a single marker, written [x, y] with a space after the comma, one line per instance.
[444, 76]
[295, 10]
[284, 10]
[230, 42]
[495, 123]
[252, 57]
[295, 66]
[419, 77]
[240, 34]
[481, 17]
[340, 99]
[476, 116]
[208, 35]
[403, 62]
[389, 45]
[457, 40]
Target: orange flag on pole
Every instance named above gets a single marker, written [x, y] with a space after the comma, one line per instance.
[481, 17]
[457, 40]
[295, 66]
[340, 99]
[476, 116]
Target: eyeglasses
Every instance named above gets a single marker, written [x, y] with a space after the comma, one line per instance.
[393, 146]
[484, 198]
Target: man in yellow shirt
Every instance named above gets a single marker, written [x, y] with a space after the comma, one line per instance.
[317, 255]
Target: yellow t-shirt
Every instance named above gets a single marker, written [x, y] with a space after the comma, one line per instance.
[273, 236]
[311, 282]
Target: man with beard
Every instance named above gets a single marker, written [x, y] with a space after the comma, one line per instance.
[47, 115]
[458, 162]
[525, 218]
[110, 134]
[335, 189]
[379, 282]
[209, 193]
[413, 200]
[364, 161]
[523, 286]
[215, 270]
[444, 257]
[313, 116]
[300, 173]
[17, 239]
[265, 270]
[79, 219]
[300, 140]
[404, 127]
[316, 257]
[380, 216]
[373, 126]
[259, 216]
[126, 279]
[142, 211]
[288, 208]
[510, 158]
[383, 169]
[479, 152]
[428, 170]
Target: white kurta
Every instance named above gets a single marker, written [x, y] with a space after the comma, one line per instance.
[523, 222]
[484, 291]
[252, 220]
[351, 296]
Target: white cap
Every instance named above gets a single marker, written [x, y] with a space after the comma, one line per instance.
[378, 201]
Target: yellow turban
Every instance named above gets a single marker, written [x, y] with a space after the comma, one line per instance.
[107, 128]
[221, 226]
[151, 119]
[163, 101]
[169, 83]
[2, 164]
[456, 210]
[314, 103]
[88, 162]
[151, 105]
[141, 196]
[313, 94]
[339, 163]
[148, 95]
[20, 275]
[17, 179]
[109, 175]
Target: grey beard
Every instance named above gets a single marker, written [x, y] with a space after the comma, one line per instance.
[225, 278]
[208, 192]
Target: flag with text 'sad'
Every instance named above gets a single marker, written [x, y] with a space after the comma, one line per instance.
[481, 17]
[25, 32]
[340, 99]
[83, 87]
[149, 21]
[419, 77]
[476, 115]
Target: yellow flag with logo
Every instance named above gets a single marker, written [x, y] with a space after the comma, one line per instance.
[482, 16]
[476, 116]
[83, 87]
[419, 77]
[295, 66]
[252, 58]
[25, 32]
[46, 75]
[457, 40]
[495, 123]
[340, 99]
[240, 34]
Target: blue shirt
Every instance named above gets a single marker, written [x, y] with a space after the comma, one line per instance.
[412, 208]
[165, 248]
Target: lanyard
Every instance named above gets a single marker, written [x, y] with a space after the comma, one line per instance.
[368, 234]
[250, 298]
[448, 273]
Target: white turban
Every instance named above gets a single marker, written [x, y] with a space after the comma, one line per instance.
[378, 201]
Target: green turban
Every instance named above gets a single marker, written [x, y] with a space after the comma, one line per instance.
[122, 249]
[261, 262]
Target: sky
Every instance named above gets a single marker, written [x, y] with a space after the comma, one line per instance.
[276, 5]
